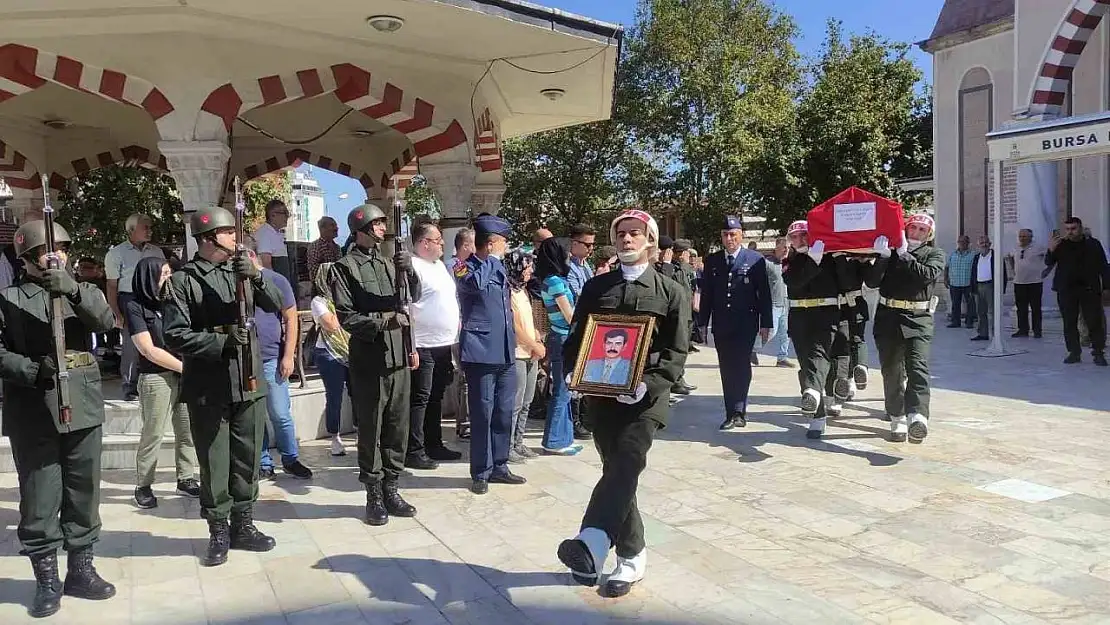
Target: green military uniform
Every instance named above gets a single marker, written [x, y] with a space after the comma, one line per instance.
[58, 463]
[624, 433]
[903, 332]
[365, 295]
[814, 324]
[201, 316]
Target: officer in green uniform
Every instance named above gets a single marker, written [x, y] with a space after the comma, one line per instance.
[904, 327]
[624, 427]
[58, 462]
[810, 279]
[201, 322]
[365, 296]
[667, 266]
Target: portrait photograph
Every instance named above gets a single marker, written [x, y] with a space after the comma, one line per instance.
[611, 359]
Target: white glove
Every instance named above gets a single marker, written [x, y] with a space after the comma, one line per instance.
[641, 390]
[903, 249]
[882, 246]
[817, 251]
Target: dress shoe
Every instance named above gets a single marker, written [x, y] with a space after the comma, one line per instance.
[628, 572]
[860, 374]
[679, 389]
[443, 454]
[734, 420]
[297, 470]
[82, 580]
[479, 487]
[694, 349]
[144, 498]
[421, 462]
[811, 399]
[1037, 335]
[816, 428]
[507, 477]
[755, 359]
[245, 536]
[581, 433]
[980, 338]
[1072, 359]
[525, 451]
[689, 387]
[395, 504]
[585, 555]
[953, 325]
[376, 514]
[899, 428]
[48, 588]
[785, 364]
[1100, 360]
[189, 488]
[1019, 334]
[219, 541]
[919, 428]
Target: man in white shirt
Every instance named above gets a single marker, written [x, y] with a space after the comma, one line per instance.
[435, 330]
[982, 283]
[1029, 269]
[464, 247]
[271, 240]
[119, 268]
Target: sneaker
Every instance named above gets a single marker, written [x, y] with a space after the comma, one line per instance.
[297, 470]
[572, 450]
[189, 488]
[144, 498]
[785, 364]
[582, 433]
[337, 448]
[525, 451]
[266, 473]
[515, 458]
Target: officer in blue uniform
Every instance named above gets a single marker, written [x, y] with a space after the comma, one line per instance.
[487, 348]
[736, 296]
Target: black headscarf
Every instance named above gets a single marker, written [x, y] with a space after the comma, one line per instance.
[553, 258]
[144, 284]
[516, 262]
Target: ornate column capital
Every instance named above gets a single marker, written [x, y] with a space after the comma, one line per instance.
[198, 168]
[453, 184]
[486, 198]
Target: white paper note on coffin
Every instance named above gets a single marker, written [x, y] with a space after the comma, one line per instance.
[855, 217]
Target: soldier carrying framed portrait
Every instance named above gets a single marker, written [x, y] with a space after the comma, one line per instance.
[613, 354]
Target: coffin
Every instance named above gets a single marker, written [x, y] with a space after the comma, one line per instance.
[851, 221]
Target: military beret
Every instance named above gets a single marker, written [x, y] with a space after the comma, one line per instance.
[665, 242]
[491, 224]
[681, 245]
[732, 222]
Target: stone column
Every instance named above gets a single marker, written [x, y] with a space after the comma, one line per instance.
[486, 198]
[1037, 209]
[453, 184]
[199, 169]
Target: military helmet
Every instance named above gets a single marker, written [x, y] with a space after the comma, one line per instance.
[33, 234]
[211, 218]
[362, 216]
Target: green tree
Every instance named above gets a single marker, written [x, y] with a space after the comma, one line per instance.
[95, 206]
[259, 192]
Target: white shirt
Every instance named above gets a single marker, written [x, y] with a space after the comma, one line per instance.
[631, 272]
[319, 309]
[435, 318]
[270, 241]
[121, 260]
[984, 270]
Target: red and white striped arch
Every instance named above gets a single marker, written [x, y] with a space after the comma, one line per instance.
[416, 118]
[1051, 87]
[487, 146]
[16, 169]
[403, 168]
[296, 157]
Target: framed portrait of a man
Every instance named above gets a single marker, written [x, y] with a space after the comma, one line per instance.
[613, 354]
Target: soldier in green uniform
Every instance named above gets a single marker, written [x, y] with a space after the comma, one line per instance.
[365, 296]
[814, 321]
[906, 278]
[58, 462]
[625, 426]
[201, 322]
[667, 266]
[849, 270]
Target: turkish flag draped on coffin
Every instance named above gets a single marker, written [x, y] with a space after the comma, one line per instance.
[851, 221]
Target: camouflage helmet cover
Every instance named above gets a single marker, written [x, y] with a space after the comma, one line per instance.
[33, 234]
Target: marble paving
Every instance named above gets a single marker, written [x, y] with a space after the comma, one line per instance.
[1002, 517]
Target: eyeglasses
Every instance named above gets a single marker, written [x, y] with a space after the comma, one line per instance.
[588, 246]
[438, 241]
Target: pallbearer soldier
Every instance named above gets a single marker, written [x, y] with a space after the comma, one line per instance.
[624, 427]
[810, 280]
[850, 273]
[906, 278]
[57, 460]
[202, 323]
[736, 295]
[365, 295]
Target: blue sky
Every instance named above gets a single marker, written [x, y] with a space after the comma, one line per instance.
[899, 20]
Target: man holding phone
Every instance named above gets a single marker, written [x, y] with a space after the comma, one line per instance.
[1082, 274]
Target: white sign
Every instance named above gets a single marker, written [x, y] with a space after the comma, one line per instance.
[1054, 142]
[856, 217]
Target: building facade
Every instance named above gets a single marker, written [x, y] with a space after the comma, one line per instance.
[307, 208]
[1000, 64]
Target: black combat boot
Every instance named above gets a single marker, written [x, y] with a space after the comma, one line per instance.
[394, 503]
[48, 592]
[219, 541]
[376, 513]
[245, 536]
[82, 580]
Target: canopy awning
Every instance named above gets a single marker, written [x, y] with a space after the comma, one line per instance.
[1058, 139]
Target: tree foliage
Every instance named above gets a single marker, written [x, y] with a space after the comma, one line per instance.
[96, 205]
[260, 191]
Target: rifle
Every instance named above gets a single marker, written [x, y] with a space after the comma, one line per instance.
[404, 298]
[246, 355]
[57, 309]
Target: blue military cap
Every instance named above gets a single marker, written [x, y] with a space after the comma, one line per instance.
[665, 242]
[491, 224]
[732, 222]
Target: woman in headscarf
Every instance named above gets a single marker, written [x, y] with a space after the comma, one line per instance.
[552, 269]
[530, 349]
[159, 386]
[332, 345]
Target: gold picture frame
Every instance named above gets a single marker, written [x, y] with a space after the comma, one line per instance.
[613, 354]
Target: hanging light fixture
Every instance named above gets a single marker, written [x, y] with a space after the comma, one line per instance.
[385, 23]
[553, 93]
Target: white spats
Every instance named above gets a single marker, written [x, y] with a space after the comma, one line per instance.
[816, 428]
[585, 555]
[628, 572]
[918, 428]
[899, 428]
[811, 399]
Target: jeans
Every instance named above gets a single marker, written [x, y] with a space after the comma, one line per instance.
[1028, 300]
[984, 305]
[526, 372]
[429, 382]
[558, 431]
[962, 297]
[335, 375]
[779, 317]
[160, 401]
[280, 409]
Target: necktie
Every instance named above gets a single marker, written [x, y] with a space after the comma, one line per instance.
[729, 260]
[605, 374]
